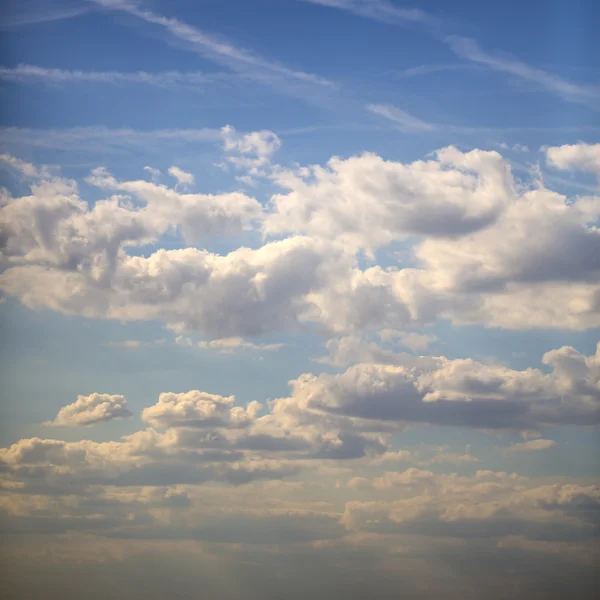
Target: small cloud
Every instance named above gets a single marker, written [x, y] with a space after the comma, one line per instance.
[409, 339]
[229, 345]
[134, 344]
[92, 409]
[532, 446]
[403, 120]
[155, 174]
[182, 177]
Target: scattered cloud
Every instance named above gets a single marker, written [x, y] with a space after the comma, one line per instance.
[401, 118]
[230, 345]
[532, 445]
[575, 157]
[182, 177]
[91, 410]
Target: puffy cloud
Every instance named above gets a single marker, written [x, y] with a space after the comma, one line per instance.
[251, 150]
[55, 229]
[575, 157]
[198, 409]
[92, 409]
[368, 202]
[181, 176]
[480, 254]
[459, 392]
[244, 293]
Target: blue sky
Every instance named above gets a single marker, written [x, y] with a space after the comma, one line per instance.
[218, 198]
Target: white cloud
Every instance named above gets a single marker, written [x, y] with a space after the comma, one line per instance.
[229, 345]
[532, 445]
[198, 409]
[181, 176]
[249, 64]
[478, 252]
[404, 120]
[368, 202]
[575, 157]
[24, 72]
[25, 168]
[92, 409]
[469, 49]
[380, 10]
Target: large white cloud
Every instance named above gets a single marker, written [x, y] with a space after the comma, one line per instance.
[368, 202]
[480, 253]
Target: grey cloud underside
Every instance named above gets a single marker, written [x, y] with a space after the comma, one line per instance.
[197, 437]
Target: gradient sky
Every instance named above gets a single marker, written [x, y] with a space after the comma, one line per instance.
[299, 282]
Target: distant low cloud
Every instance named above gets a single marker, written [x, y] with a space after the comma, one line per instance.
[532, 446]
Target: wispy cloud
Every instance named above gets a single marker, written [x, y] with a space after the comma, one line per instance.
[403, 120]
[31, 13]
[104, 138]
[247, 63]
[468, 49]
[406, 122]
[24, 72]
[378, 10]
[421, 70]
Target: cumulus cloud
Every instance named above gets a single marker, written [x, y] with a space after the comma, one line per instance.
[458, 392]
[198, 409]
[574, 157]
[92, 409]
[369, 202]
[479, 255]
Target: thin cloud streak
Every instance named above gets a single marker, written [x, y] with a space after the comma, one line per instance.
[103, 138]
[378, 10]
[32, 17]
[221, 51]
[403, 120]
[24, 72]
[408, 123]
[468, 49]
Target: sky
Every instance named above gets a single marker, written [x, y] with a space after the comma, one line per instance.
[299, 298]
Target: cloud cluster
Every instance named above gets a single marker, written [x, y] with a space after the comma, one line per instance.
[478, 252]
[459, 392]
[487, 504]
